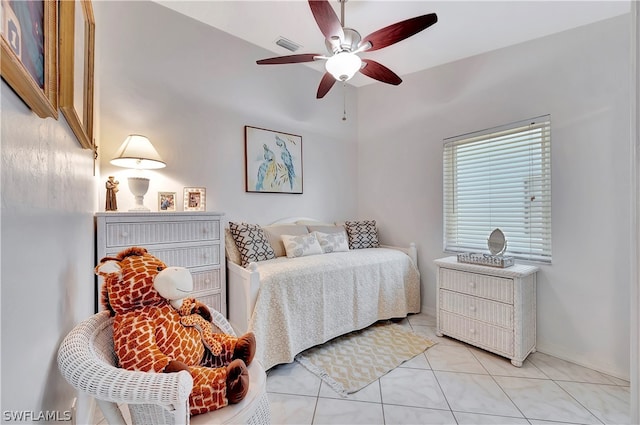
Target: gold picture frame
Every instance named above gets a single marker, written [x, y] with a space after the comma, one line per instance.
[36, 85]
[77, 57]
[195, 198]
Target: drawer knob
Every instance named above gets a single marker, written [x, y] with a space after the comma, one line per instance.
[207, 281]
[206, 230]
[472, 331]
[472, 308]
[472, 284]
[124, 234]
[206, 255]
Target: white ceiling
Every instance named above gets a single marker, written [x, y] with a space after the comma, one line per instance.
[464, 28]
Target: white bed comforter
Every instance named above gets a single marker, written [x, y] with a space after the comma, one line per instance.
[307, 301]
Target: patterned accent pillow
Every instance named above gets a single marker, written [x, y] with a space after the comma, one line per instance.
[333, 242]
[230, 248]
[301, 245]
[362, 234]
[251, 242]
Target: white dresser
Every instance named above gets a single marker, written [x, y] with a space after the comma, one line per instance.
[491, 308]
[186, 239]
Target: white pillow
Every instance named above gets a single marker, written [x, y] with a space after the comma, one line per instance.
[333, 242]
[301, 245]
[274, 232]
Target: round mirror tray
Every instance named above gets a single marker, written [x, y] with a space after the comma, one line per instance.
[497, 243]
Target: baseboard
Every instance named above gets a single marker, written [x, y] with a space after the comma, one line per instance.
[430, 311]
[607, 369]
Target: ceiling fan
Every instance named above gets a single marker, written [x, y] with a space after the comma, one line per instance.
[344, 44]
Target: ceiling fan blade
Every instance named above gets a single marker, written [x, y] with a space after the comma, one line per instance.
[399, 31]
[325, 85]
[305, 57]
[380, 72]
[326, 19]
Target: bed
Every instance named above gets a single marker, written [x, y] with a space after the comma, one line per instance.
[292, 304]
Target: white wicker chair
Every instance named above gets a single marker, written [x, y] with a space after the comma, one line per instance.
[87, 361]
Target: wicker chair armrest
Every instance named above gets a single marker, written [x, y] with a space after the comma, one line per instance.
[82, 362]
[86, 371]
[123, 386]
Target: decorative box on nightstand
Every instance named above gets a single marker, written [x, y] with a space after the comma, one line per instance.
[185, 239]
[491, 308]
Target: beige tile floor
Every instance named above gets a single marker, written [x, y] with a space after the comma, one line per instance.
[454, 383]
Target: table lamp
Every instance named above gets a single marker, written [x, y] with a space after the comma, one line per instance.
[138, 153]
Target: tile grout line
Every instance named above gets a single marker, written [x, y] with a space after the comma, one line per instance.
[576, 400]
[424, 353]
[438, 382]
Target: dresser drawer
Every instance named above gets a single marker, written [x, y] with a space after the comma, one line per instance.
[212, 300]
[492, 312]
[494, 338]
[206, 280]
[192, 256]
[480, 285]
[123, 234]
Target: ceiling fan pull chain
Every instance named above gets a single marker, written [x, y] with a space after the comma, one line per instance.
[342, 2]
[344, 98]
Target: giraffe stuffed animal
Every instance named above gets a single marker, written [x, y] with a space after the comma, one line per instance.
[157, 329]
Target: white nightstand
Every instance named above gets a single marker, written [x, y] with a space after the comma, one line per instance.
[185, 239]
[491, 308]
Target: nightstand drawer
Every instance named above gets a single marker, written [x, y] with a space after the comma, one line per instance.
[206, 280]
[492, 312]
[495, 338]
[123, 234]
[490, 287]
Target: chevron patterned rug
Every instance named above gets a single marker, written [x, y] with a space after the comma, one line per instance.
[351, 362]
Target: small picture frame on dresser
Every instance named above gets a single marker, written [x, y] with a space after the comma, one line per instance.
[195, 198]
[166, 201]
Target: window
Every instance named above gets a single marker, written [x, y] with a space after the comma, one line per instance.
[500, 178]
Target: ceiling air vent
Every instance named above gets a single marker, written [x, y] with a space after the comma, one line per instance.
[287, 44]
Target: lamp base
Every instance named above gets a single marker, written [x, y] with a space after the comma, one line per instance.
[139, 186]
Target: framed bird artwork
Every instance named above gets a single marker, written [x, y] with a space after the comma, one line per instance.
[273, 161]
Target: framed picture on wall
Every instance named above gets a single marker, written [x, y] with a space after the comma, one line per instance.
[28, 34]
[77, 41]
[273, 161]
[194, 198]
[166, 201]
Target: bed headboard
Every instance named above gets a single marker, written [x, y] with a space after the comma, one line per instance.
[302, 220]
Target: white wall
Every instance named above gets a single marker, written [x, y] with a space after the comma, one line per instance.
[184, 84]
[191, 89]
[635, 213]
[48, 199]
[581, 78]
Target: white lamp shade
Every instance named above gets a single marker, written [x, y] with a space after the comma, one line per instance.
[137, 152]
[343, 65]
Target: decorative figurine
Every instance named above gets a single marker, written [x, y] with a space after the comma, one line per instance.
[112, 189]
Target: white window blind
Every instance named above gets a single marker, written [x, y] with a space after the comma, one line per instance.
[500, 178]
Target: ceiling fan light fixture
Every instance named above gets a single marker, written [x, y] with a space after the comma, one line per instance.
[343, 65]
